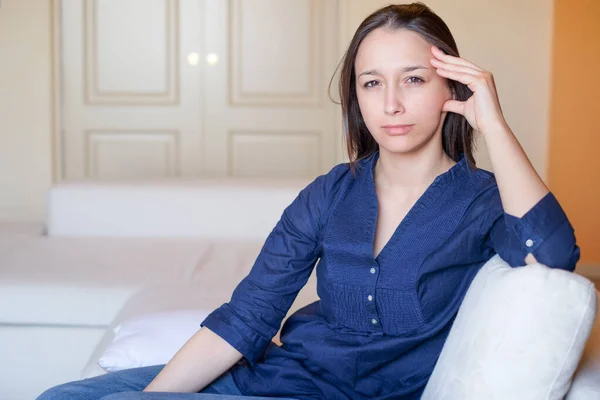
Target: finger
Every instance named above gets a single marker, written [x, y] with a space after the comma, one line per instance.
[467, 79]
[455, 67]
[454, 106]
[439, 54]
[530, 259]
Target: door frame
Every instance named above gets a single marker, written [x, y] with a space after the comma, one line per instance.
[56, 92]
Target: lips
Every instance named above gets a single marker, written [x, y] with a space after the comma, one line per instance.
[397, 129]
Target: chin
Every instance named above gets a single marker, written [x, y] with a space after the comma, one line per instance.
[406, 144]
[399, 145]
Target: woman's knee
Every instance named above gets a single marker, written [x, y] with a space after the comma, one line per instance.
[124, 396]
[130, 380]
[73, 392]
[157, 396]
[64, 392]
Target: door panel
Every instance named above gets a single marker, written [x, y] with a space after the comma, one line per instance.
[275, 119]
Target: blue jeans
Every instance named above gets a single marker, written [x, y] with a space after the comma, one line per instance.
[128, 385]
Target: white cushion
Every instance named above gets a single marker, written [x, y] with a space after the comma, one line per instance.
[150, 339]
[162, 299]
[519, 334]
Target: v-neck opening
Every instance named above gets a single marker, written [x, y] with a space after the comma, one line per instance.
[428, 195]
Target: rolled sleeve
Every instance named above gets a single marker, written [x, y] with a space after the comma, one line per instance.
[231, 328]
[544, 231]
[261, 300]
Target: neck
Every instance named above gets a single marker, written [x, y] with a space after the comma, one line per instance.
[411, 170]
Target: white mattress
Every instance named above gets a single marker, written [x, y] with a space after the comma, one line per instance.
[86, 281]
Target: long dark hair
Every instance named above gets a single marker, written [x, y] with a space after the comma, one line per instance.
[457, 134]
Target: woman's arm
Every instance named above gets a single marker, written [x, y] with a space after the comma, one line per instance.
[244, 326]
[520, 186]
[202, 359]
[534, 222]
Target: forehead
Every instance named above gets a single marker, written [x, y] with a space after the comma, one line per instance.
[385, 48]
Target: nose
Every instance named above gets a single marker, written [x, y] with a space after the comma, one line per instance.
[393, 104]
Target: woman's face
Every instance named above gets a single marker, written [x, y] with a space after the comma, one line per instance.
[397, 85]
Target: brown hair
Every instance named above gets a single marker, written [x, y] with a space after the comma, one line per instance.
[457, 134]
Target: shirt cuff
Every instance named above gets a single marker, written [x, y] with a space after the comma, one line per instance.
[224, 322]
[538, 224]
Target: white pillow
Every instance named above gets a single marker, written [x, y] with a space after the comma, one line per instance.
[150, 339]
[519, 334]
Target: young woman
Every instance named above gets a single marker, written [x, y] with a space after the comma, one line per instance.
[400, 232]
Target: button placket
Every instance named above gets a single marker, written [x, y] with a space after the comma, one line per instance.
[370, 304]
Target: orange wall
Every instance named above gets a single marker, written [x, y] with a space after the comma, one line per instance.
[574, 146]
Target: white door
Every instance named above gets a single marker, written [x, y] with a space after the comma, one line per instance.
[188, 88]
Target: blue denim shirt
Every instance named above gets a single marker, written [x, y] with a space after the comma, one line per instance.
[380, 324]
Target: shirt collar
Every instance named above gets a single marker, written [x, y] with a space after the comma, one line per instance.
[461, 168]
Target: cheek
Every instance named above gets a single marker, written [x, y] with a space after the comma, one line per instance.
[368, 105]
[429, 101]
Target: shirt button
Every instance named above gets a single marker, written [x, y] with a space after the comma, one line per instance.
[529, 243]
[370, 298]
[374, 321]
[372, 270]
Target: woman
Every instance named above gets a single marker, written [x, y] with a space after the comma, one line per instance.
[400, 233]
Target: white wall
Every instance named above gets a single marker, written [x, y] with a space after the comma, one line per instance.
[511, 38]
[25, 108]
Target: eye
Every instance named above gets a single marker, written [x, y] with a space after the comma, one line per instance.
[370, 84]
[415, 80]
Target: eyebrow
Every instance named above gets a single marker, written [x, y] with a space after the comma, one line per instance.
[405, 69]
